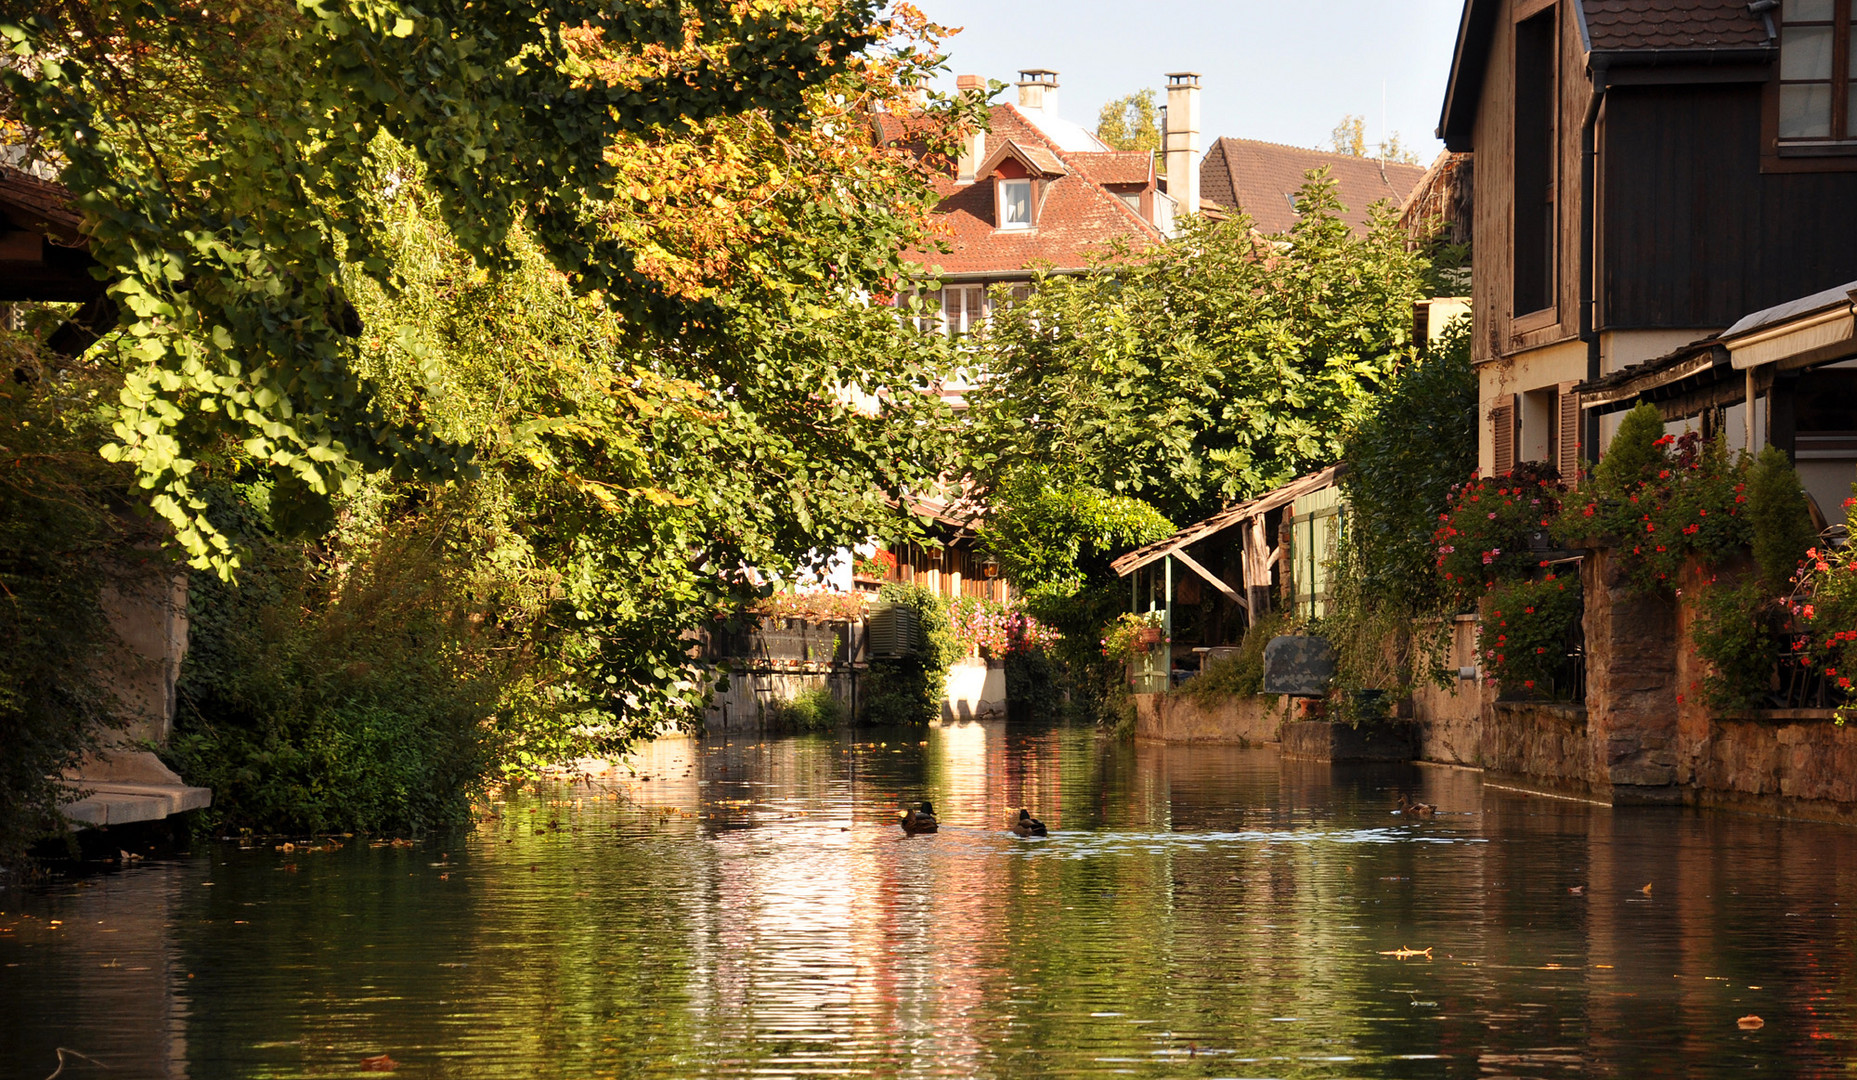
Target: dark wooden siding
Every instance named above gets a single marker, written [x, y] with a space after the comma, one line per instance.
[1694, 234]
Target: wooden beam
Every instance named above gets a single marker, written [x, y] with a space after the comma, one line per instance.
[1230, 593]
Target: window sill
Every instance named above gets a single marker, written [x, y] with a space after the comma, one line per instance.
[1819, 148]
[1532, 321]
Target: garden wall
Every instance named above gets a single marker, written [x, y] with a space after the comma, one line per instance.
[1447, 724]
[1236, 721]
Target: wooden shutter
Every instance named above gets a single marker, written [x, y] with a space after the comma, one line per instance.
[1567, 436]
[1502, 426]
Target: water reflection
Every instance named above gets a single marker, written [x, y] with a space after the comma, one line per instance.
[750, 908]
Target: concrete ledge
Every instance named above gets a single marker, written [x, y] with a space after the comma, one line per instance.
[120, 786]
[109, 803]
[1320, 740]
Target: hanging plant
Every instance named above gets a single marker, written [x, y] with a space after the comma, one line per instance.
[1522, 639]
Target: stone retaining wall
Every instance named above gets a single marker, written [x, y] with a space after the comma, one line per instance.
[1235, 721]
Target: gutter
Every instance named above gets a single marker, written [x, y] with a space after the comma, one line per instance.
[1600, 66]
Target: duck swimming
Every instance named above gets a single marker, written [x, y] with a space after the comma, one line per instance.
[919, 821]
[1415, 809]
[1027, 825]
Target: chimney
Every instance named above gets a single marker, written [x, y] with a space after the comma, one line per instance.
[1038, 90]
[1182, 140]
[974, 143]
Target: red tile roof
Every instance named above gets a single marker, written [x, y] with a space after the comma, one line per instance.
[1259, 178]
[1116, 166]
[1078, 218]
[1617, 25]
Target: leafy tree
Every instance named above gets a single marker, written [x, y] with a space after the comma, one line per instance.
[217, 148]
[1204, 371]
[1130, 122]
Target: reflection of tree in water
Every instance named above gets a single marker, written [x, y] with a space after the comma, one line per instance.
[764, 913]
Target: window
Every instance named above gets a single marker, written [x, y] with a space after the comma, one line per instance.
[1502, 437]
[963, 309]
[1536, 99]
[1015, 204]
[1815, 62]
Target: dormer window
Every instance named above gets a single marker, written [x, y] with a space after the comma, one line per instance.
[1015, 204]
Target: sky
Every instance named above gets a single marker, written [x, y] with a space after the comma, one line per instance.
[1280, 70]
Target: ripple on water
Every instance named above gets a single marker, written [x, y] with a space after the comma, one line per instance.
[753, 910]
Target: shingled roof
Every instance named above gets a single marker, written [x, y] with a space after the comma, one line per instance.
[1078, 218]
[1618, 25]
[1260, 178]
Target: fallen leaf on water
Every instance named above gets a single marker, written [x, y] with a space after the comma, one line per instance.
[379, 1063]
[1577, 890]
[1647, 889]
[1750, 1022]
[1403, 953]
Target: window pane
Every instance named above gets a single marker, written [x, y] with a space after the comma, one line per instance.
[1806, 11]
[1805, 52]
[1805, 111]
[1015, 202]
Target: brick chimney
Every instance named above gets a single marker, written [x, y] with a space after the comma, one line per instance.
[1182, 140]
[974, 143]
[1038, 90]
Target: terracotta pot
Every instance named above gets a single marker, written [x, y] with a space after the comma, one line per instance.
[1148, 635]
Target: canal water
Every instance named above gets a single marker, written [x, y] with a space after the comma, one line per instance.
[750, 908]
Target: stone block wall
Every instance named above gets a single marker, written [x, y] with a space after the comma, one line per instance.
[1447, 724]
[1631, 682]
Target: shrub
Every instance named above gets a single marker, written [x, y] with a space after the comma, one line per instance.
[1242, 673]
[1779, 519]
[1739, 631]
[814, 709]
[1485, 536]
[1689, 504]
[910, 689]
[361, 694]
[1634, 455]
[1524, 631]
[1824, 619]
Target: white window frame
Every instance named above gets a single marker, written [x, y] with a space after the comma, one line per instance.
[1003, 186]
[964, 309]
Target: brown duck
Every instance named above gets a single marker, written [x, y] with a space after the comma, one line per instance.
[1416, 809]
[1027, 825]
[919, 821]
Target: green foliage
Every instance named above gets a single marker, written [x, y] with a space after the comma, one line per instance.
[1388, 599]
[63, 540]
[1634, 454]
[355, 692]
[1131, 635]
[1130, 122]
[1687, 504]
[1740, 630]
[810, 710]
[1202, 371]
[1779, 519]
[910, 690]
[1404, 457]
[1051, 542]
[1524, 633]
[1823, 621]
[1242, 673]
[226, 158]
[1485, 536]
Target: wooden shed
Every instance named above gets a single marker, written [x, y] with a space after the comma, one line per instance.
[1212, 579]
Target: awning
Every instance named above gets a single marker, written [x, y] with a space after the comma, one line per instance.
[1225, 519]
